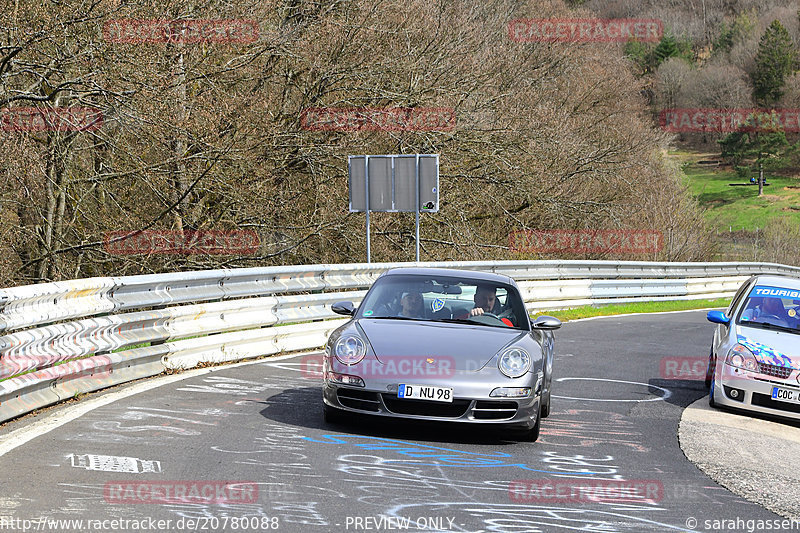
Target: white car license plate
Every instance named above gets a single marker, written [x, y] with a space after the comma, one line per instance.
[785, 395]
[425, 392]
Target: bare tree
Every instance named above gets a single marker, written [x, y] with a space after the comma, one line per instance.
[670, 79]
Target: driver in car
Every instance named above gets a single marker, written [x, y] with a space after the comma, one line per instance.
[486, 302]
[760, 308]
[774, 307]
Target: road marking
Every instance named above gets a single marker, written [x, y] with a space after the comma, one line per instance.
[115, 463]
[667, 393]
[67, 414]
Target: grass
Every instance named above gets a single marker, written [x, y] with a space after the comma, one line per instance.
[737, 208]
[637, 307]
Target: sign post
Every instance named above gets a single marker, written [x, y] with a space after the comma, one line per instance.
[394, 183]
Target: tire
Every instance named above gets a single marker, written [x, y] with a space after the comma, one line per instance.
[711, 368]
[532, 435]
[711, 401]
[545, 405]
[331, 415]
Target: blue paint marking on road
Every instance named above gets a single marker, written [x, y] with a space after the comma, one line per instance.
[447, 456]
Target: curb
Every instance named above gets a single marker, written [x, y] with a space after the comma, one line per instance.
[751, 457]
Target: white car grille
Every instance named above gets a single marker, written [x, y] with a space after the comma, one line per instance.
[775, 371]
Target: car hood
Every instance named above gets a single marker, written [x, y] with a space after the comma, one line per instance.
[470, 347]
[771, 347]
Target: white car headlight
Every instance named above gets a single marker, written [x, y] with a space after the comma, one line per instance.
[350, 349]
[514, 362]
[741, 357]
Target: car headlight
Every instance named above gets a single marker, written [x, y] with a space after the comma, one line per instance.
[514, 362]
[350, 350]
[741, 357]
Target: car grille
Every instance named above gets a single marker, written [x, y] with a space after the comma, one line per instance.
[764, 400]
[453, 409]
[491, 410]
[782, 372]
[358, 399]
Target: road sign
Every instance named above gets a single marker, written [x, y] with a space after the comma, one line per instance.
[393, 183]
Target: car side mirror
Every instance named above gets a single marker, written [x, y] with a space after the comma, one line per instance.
[343, 308]
[718, 317]
[546, 323]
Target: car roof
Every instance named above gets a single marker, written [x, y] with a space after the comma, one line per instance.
[469, 274]
[777, 280]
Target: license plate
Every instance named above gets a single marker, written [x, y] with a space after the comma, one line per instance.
[425, 392]
[785, 395]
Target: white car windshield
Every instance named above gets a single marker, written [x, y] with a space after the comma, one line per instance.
[772, 307]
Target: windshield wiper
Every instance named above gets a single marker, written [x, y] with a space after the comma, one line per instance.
[455, 321]
[470, 322]
[769, 325]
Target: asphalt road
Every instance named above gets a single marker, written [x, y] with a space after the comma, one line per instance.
[613, 424]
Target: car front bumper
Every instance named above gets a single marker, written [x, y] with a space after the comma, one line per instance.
[520, 412]
[754, 391]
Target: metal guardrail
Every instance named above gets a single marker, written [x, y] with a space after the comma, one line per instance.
[64, 338]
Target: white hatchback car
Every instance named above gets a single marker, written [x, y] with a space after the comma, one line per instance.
[754, 362]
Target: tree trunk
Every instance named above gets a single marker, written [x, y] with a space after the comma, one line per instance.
[50, 213]
[760, 178]
[179, 182]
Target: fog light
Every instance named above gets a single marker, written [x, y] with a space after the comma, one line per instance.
[510, 392]
[734, 394]
[346, 379]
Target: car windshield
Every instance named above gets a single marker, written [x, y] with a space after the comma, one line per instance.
[772, 308]
[445, 299]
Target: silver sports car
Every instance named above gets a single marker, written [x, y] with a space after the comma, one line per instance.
[440, 344]
[754, 362]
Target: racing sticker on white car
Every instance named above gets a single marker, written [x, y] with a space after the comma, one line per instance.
[775, 292]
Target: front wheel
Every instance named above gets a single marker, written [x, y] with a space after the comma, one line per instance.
[331, 415]
[711, 401]
[711, 368]
[545, 405]
[532, 435]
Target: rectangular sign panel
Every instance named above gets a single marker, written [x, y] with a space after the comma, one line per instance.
[429, 184]
[393, 183]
